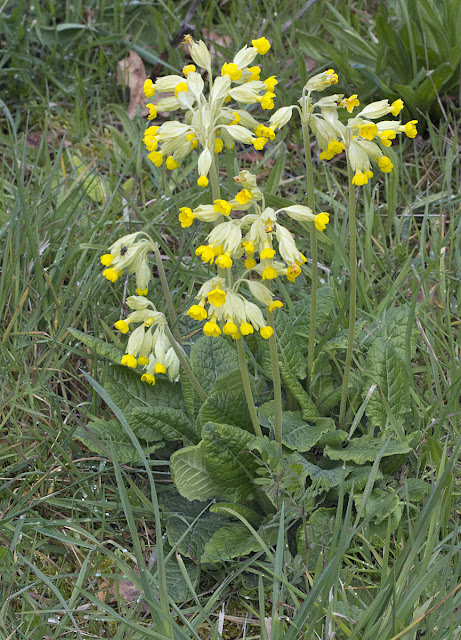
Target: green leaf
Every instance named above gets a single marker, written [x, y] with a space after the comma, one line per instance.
[252, 516]
[308, 408]
[391, 325]
[319, 531]
[365, 449]
[387, 370]
[177, 587]
[332, 438]
[196, 534]
[227, 407]
[228, 460]
[211, 358]
[190, 474]
[192, 400]
[301, 314]
[273, 180]
[328, 478]
[416, 490]
[98, 435]
[230, 542]
[172, 424]
[380, 504]
[99, 346]
[301, 436]
[288, 347]
[358, 478]
[126, 389]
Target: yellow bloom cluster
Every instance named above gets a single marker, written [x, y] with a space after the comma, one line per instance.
[208, 122]
[148, 346]
[130, 254]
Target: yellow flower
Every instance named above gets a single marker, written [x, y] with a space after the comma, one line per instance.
[359, 179]
[217, 297]
[129, 361]
[385, 164]
[218, 145]
[259, 143]
[152, 111]
[351, 102]
[171, 163]
[122, 326]
[143, 361]
[230, 69]
[151, 143]
[222, 206]
[248, 246]
[266, 100]
[333, 79]
[255, 71]
[236, 119]
[192, 139]
[160, 368]
[152, 130]
[269, 273]
[142, 292]
[267, 253]
[229, 328]
[112, 274]
[410, 129]
[387, 136]
[107, 259]
[262, 45]
[368, 131]
[246, 328]
[293, 272]
[181, 86]
[321, 221]
[202, 181]
[396, 107]
[186, 217]
[224, 261]
[270, 83]
[156, 158]
[206, 253]
[149, 88]
[243, 196]
[188, 68]
[266, 332]
[148, 377]
[197, 312]
[211, 329]
[277, 304]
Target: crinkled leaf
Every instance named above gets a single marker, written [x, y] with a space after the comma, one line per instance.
[386, 369]
[252, 516]
[211, 358]
[192, 400]
[300, 435]
[291, 382]
[358, 478]
[380, 504]
[328, 478]
[415, 489]
[190, 474]
[234, 541]
[391, 325]
[333, 438]
[196, 533]
[228, 461]
[377, 532]
[227, 407]
[172, 424]
[177, 587]
[365, 449]
[301, 314]
[288, 347]
[97, 345]
[319, 535]
[128, 392]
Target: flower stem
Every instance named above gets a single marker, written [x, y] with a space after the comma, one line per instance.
[352, 296]
[214, 178]
[276, 379]
[247, 387]
[315, 271]
[167, 294]
[185, 365]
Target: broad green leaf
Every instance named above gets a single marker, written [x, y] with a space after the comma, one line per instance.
[192, 400]
[328, 478]
[99, 434]
[196, 534]
[319, 535]
[177, 587]
[97, 345]
[128, 392]
[190, 475]
[332, 438]
[377, 532]
[228, 460]
[416, 490]
[301, 314]
[172, 424]
[322, 388]
[386, 369]
[301, 436]
[288, 347]
[211, 358]
[227, 407]
[358, 477]
[234, 541]
[380, 504]
[291, 382]
[365, 449]
[252, 516]
[391, 325]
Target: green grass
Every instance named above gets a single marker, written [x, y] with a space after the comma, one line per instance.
[74, 526]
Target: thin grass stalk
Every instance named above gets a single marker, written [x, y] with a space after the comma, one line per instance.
[185, 365]
[247, 388]
[352, 296]
[276, 379]
[313, 243]
[167, 294]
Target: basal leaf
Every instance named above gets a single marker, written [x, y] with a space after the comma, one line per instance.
[97, 345]
[308, 408]
[301, 316]
[172, 424]
[358, 478]
[252, 516]
[196, 533]
[211, 358]
[365, 449]
[230, 542]
[300, 435]
[319, 531]
[190, 474]
[288, 347]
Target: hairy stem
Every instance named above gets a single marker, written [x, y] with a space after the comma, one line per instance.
[167, 294]
[352, 297]
[185, 365]
[315, 271]
[247, 387]
[277, 382]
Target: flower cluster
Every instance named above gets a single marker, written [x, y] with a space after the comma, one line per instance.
[148, 346]
[130, 254]
[357, 136]
[209, 123]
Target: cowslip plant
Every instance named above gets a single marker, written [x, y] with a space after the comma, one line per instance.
[248, 412]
